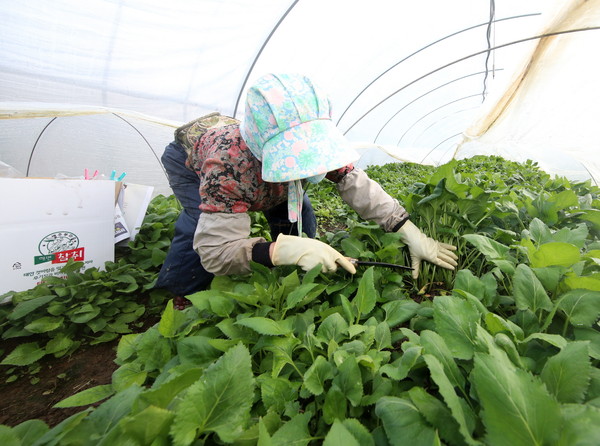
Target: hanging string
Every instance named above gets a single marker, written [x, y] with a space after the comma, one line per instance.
[489, 46]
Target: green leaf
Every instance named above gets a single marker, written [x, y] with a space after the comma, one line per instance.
[197, 350]
[158, 256]
[539, 231]
[496, 324]
[528, 290]
[97, 324]
[403, 423]
[249, 298]
[86, 397]
[552, 339]
[218, 302]
[353, 247]
[316, 375]
[555, 253]
[564, 199]
[491, 249]
[593, 336]
[144, 427]
[302, 294]
[44, 324]
[24, 354]
[549, 276]
[456, 405]
[527, 321]
[335, 406]
[355, 330]
[383, 336]
[291, 281]
[294, 432]
[264, 438]
[310, 276]
[434, 344]
[567, 374]
[84, 313]
[58, 432]
[437, 414]
[259, 432]
[573, 282]
[581, 425]
[161, 395]
[399, 311]
[359, 432]
[574, 235]
[581, 307]
[506, 344]
[517, 408]
[170, 321]
[456, 322]
[282, 349]
[56, 308]
[166, 325]
[219, 402]
[29, 431]
[58, 344]
[129, 374]
[593, 392]
[15, 332]
[277, 392]
[26, 307]
[333, 327]
[153, 350]
[400, 368]
[266, 326]
[338, 435]
[221, 305]
[483, 288]
[591, 215]
[8, 436]
[366, 295]
[126, 279]
[108, 415]
[127, 346]
[349, 380]
[104, 337]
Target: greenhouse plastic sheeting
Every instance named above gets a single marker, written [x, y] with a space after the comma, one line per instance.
[103, 84]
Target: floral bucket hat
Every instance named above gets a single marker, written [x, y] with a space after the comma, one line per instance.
[288, 127]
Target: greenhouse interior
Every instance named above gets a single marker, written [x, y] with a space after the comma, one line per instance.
[446, 290]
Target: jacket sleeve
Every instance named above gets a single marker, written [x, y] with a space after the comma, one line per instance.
[370, 201]
[223, 244]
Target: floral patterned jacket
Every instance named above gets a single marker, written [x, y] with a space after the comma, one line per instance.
[231, 185]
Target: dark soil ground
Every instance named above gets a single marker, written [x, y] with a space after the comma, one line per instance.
[88, 366]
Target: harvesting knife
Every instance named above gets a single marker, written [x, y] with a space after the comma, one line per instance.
[357, 262]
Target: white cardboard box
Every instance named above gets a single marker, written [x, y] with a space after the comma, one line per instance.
[44, 222]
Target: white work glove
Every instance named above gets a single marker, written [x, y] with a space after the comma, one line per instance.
[308, 253]
[422, 248]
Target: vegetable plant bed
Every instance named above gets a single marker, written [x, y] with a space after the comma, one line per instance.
[55, 380]
[503, 351]
[37, 388]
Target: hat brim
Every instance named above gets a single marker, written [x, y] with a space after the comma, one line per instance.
[303, 151]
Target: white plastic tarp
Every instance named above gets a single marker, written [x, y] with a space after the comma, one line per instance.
[103, 83]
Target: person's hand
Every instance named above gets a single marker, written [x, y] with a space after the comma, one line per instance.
[422, 248]
[308, 253]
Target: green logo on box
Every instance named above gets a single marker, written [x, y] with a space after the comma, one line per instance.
[43, 259]
[57, 242]
[58, 247]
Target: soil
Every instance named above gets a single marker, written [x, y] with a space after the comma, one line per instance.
[88, 366]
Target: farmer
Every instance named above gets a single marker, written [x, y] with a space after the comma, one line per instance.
[287, 138]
